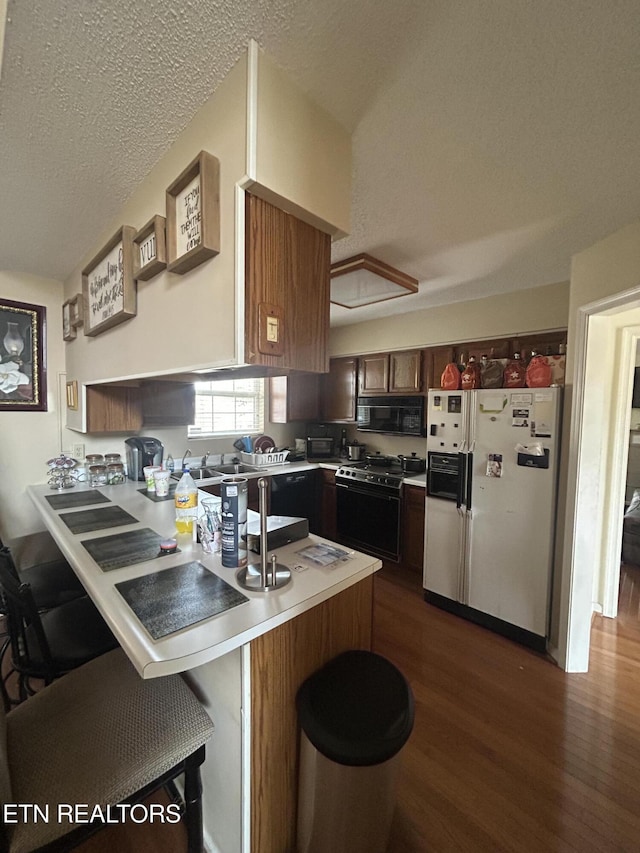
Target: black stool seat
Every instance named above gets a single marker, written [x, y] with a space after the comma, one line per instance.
[52, 583]
[75, 632]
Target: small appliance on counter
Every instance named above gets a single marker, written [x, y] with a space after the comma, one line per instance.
[321, 447]
[142, 450]
[355, 451]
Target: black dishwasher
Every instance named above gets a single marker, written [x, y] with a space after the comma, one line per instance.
[296, 495]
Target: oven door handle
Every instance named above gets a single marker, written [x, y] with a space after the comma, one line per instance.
[377, 495]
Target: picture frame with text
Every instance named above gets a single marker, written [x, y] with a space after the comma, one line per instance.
[193, 214]
[108, 287]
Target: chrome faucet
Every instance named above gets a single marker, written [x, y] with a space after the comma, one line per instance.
[186, 456]
[203, 461]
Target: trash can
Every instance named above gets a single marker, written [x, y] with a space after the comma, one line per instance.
[356, 714]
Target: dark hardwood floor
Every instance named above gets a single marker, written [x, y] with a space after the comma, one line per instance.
[508, 752]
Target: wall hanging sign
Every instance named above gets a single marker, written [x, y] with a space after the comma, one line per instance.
[22, 362]
[68, 329]
[149, 249]
[76, 309]
[108, 287]
[193, 214]
[72, 395]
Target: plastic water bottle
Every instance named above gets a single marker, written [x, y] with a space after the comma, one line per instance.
[170, 464]
[186, 502]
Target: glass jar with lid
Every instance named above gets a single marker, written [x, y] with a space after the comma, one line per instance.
[115, 473]
[110, 458]
[97, 475]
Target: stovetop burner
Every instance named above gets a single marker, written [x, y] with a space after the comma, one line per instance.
[388, 477]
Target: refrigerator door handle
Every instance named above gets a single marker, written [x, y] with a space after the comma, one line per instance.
[469, 479]
[460, 489]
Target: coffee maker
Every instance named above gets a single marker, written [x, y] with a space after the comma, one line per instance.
[142, 450]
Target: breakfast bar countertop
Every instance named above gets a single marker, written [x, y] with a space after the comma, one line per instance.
[212, 637]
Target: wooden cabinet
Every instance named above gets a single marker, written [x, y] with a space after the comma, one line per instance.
[413, 512]
[373, 374]
[328, 504]
[129, 408]
[435, 359]
[405, 372]
[113, 408]
[294, 398]
[500, 348]
[286, 290]
[166, 403]
[338, 391]
[546, 342]
[390, 373]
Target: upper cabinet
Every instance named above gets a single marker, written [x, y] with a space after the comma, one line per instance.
[390, 373]
[168, 403]
[287, 290]
[128, 407]
[338, 391]
[294, 398]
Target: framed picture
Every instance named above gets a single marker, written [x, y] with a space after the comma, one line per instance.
[108, 287]
[23, 373]
[68, 329]
[76, 310]
[150, 249]
[72, 395]
[193, 214]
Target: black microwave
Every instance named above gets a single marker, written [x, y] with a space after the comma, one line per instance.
[391, 415]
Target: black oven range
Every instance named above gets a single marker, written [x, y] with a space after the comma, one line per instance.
[369, 508]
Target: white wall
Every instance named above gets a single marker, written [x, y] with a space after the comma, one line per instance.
[29, 439]
[608, 268]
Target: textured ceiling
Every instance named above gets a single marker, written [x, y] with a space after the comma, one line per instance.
[492, 140]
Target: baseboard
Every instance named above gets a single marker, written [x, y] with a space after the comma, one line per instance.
[499, 626]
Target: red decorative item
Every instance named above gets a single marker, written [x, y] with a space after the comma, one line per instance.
[470, 375]
[538, 372]
[515, 373]
[450, 379]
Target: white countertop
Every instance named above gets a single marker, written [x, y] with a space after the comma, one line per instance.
[212, 637]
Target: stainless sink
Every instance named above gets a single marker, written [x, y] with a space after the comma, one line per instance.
[237, 469]
[198, 473]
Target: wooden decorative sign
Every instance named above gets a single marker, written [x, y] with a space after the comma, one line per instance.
[108, 288]
[68, 329]
[193, 214]
[149, 249]
[76, 310]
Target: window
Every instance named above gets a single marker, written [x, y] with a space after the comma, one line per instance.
[228, 407]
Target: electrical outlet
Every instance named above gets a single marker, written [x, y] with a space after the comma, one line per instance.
[77, 451]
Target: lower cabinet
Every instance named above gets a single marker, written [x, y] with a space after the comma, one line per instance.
[328, 504]
[412, 535]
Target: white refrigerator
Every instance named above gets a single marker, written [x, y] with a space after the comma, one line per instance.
[490, 507]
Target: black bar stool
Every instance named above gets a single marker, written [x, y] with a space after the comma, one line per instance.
[47, 645]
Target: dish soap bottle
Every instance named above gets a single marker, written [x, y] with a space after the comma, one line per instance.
[186, 502]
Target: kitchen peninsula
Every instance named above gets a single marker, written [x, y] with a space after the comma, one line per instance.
[245, 663]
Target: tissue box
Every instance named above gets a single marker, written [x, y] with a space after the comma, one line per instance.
[281, 529]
